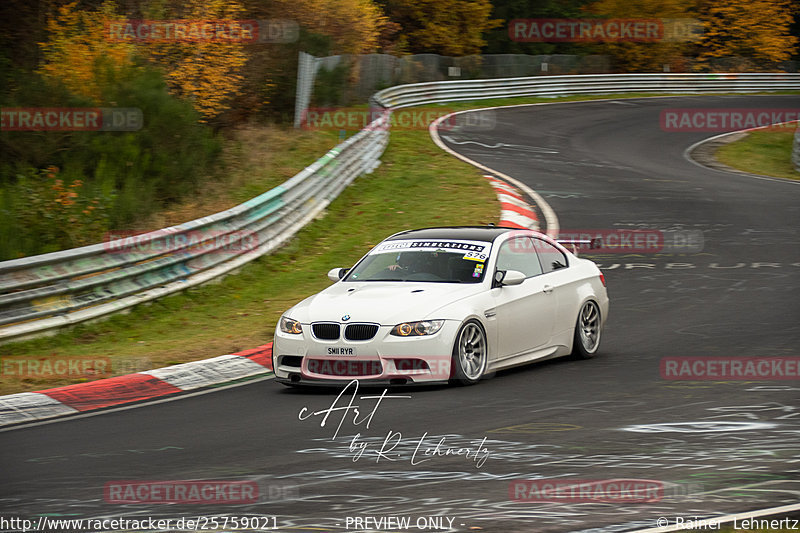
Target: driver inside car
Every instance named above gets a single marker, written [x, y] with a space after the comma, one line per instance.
[409, 262]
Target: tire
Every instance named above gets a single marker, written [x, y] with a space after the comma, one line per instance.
[586, 339]
[470, 354]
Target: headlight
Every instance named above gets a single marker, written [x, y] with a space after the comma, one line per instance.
[415, 329]
[291, 326]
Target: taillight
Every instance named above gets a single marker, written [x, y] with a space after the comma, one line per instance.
[602, 279]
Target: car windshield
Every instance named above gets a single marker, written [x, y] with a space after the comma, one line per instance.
[423, 260]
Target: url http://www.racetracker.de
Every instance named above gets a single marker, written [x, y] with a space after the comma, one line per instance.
[47, 524]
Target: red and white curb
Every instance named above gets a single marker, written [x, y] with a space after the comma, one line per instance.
[515, 212]
[111, 392]
[549, 217]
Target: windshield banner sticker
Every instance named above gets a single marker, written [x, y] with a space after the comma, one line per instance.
[475, 249]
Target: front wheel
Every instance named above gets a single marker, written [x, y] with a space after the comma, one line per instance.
[587, 331]
[470, 354]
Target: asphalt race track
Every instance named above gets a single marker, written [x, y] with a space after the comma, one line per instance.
[714, 447]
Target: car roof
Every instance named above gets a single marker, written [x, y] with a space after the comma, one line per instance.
[468, 233]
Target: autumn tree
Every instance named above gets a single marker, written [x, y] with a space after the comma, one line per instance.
[85, 47]
[508, 10]
[208, 72]
[78, 53]
[757, 32]
[353, 26]
[447, 27]
[669, 50]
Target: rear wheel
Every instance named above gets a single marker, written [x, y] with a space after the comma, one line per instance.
[470, 354]
[587, 331]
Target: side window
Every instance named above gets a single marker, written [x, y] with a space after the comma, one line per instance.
[518, 253]
[551, 257]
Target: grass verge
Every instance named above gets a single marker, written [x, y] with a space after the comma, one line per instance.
[767, 153]
[255, 158]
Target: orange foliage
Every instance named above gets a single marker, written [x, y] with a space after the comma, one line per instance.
[755, 29]
[646, 56]
[79, 47]
[206, 72]
[353, 25]
[448, 27]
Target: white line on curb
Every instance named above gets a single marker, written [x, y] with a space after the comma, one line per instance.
[687, 154]
[549, 214]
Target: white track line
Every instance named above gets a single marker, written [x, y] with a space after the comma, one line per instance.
[549, 214]
[687, 154]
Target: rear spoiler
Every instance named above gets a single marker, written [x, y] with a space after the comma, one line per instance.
[573, 245]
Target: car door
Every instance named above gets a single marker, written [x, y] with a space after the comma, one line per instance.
[559, 281]
[524, 312]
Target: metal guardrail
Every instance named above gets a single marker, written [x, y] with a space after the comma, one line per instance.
[52, 290]
[48, 291]
[452, 91]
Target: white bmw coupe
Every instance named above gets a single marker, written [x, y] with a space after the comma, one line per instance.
[444, 304]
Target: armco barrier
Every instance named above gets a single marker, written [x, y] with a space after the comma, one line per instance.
[451, 91]
[45, 292]
[52, 290]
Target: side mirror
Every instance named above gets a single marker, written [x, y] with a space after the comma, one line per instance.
[335, 274]
[509, 277]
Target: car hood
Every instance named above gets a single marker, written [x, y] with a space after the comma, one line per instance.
[385, 303]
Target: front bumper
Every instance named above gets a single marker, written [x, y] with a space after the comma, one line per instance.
[384, 359]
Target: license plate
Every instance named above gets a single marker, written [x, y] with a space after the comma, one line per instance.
[341, 350]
